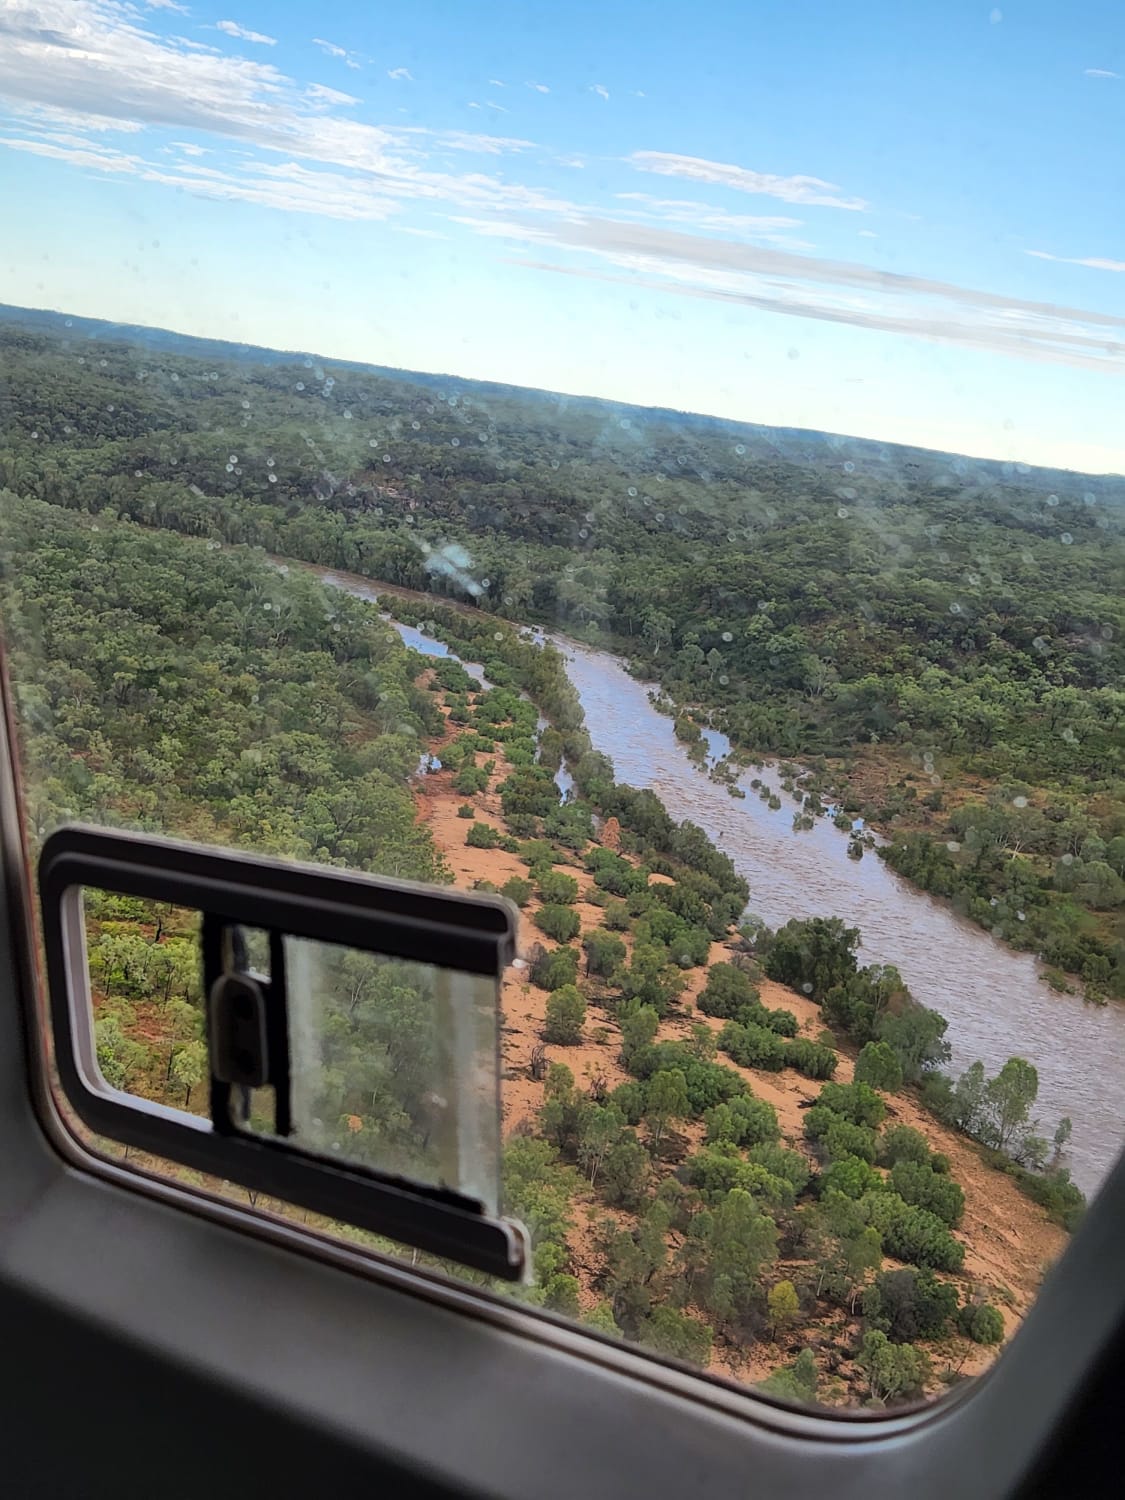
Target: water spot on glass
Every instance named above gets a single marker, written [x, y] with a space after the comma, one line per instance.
[554, 463]
[230, 468]
[935, 781]
[1066, 539]
[246, 406]
[740, 449]
[1088, 499]
[1052, 500]
[1019, 801]
[347, 416]
[267, 607]
[952, 845]
[273, 478]
[583, 532]
[417, 426]
[1069, 735]
[175, 377]
[300, 385]
[1106, 630]
[1041, 644]
[806, 988]
[1068, 859]
[727, 636]
[386, 458]
[955, 608]
[842, 512]
[498, 635]
[632, 492]
[625, 422]
[723, 678]
[660, 515]
[849, 467]
[455, 442]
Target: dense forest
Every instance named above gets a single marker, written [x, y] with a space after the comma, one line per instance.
[939, 639]
[166, 683]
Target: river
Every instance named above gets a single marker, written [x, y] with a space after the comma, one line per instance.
[995, 999]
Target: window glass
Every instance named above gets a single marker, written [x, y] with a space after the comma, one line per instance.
[773, 670]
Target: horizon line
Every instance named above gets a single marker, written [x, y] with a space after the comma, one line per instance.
[613, 401]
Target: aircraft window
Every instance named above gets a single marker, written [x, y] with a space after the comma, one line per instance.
[792, 730]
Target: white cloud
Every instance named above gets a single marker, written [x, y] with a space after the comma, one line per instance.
[540, 88]
[599, 89]
[403, 75]
[232, 28]
[811, 190]
[639, 94]
[500, 108]
[776, 281]
[333, 49]
[87, 66]
[320, 93]
[767, 227]
[167, 5]
[1094, 262]
[496, 83]
[867, 234]
[1101, 73]
[189, 148]
[473, 104]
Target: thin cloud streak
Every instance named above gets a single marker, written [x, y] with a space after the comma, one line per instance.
[1021, 343]
[242, 34]
[799, 189]
[1094, 262]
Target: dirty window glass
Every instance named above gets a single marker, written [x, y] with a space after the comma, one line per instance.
[665, 471]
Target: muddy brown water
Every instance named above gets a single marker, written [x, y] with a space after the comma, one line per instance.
[996, 1001]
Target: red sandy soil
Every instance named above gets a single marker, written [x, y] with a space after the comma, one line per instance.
[1009, 1240]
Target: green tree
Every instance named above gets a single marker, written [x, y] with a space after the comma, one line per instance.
[1008, 1099]
[783, 1305]
[605, 952]
[557, 888]
[666, 1099]
[565, 1016]
[894, 1372]
[878, 1065]
[559, 922]
[517, 890]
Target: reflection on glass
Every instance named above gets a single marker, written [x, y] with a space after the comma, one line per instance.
[394, 1065]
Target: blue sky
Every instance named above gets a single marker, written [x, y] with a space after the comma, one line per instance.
[900, 221]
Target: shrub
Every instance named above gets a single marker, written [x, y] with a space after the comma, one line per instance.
[466, 810]
[470, 779]
[566, 1014]
[857, 1102]
[605, 952]
[810, 1058]
[838, 1137]
[918, 1183]
[850, 1175]
[981, 1322]
[744, 1121]
[558, 889]
[753, 1046]
[878, 1066]
[726, 992]
[901, 1143]
[554, 969]
[559, 922]
[779, 1161]
[914, 1234]
[482, 836]
[517, 890]
[908, 1305]
[617, 917]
